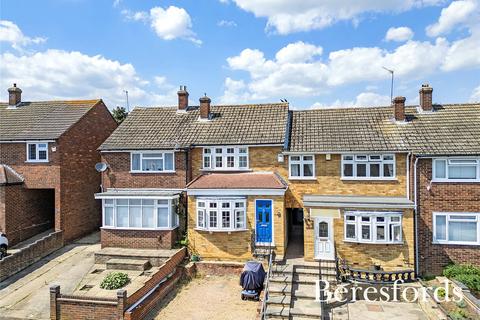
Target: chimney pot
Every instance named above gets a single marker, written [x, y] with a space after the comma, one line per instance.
[426, 97]
[205, 107]
[182, 98]
[14, 95]
[399, 108]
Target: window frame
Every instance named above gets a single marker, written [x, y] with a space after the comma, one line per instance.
[368, 160]
[448, 216]
[162, 153]
[172, 205]
[372, 224]
[206, 210]
[448, 164]
[301, 162]
[37, 152]
[224, 155]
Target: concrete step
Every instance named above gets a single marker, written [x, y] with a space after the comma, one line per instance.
[306, 308]
[128, 264]
[280, 288]
[280, 300]
[277, 312]
[305, 291]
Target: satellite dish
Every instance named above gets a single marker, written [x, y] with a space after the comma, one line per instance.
[101, 167]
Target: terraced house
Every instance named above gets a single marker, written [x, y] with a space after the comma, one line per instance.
[47, 165]
[338, 183]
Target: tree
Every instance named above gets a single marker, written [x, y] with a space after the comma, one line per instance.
[119, 114]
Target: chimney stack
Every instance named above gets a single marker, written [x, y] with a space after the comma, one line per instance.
[14, 96]
[205, 107]
[182, 98]
[426, 97]
[399, 108]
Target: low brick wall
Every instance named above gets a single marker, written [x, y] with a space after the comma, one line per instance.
[218, 268]
[30, 254]
[138, 239]
[134, 307]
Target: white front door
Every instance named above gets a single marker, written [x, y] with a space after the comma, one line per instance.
[324, 249]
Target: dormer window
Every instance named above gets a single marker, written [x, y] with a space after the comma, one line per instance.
[37, 152]
[225, 158]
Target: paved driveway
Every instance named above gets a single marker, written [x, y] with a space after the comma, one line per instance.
[26, 294]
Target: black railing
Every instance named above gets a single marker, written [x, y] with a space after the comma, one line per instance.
[271, 258]
[347, 273]
[261, 246]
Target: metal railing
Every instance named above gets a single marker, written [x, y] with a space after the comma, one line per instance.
[271, 258]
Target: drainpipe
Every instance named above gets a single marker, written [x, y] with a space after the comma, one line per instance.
[415, 212]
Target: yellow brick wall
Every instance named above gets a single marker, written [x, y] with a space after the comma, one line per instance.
[236, 245]
[361, 255]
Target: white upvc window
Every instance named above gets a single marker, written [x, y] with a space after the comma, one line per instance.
[150, 214]
[456, 228]
[225, 158]
[301, 167]
[456, 170]
[221, 214]
[368, 166]
[375, 227]
[152, 161]
[37, 152]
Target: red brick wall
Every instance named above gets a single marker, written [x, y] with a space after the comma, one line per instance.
[27, 212]
[118, 175]
[443, 197]
[80, 212]
[139, 239]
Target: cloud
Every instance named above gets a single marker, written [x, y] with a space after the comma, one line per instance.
[42, 76]
[364, 99]
[234, 92]
[169, 24]
[286, 16]
[475, 97]
[298, 52]
[399, 34]
[457, 13]
[226, 23]
[116, 3]
[11, 33]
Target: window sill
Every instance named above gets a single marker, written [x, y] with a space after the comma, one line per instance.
[303, 178]
[37, 161]
[154, 172]
[456, 243]
[455, 181]
[138, 229]
[367, 179]
[220, 230]
[373, 242]
[226, 170]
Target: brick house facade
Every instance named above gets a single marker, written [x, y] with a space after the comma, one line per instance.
[55, 192]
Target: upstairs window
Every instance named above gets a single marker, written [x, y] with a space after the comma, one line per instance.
[456, 169]
[152, 162]
[37, 152]
[362, 166]
[225, 158]
[302, 167]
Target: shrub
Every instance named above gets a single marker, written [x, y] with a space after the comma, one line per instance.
[114, 280]
[453, 270]
[472, 281]
[441, 293]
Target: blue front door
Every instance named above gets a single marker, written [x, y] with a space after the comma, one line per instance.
[264, 221]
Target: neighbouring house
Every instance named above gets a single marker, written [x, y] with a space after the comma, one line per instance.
[47, 165]
[447, 174]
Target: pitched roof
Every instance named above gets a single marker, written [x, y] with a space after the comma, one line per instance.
[9, 176]
[41, 119]
[247, 180]
[450, 129]
[164, 127]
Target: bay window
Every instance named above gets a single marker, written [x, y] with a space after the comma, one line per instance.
[456, 169]
[456, 228]
[140, 213]
[374, 166]
[221, 214]
[373, 227]
[301, 166]
[225, 158]
[152, 162]
[37, 152]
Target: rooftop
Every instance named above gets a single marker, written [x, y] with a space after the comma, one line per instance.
[248, 180]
